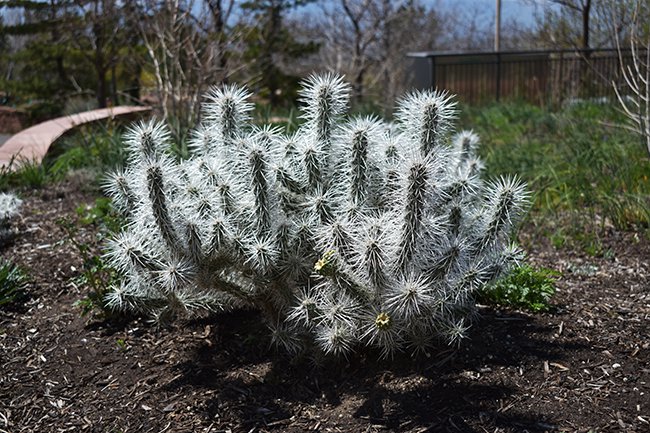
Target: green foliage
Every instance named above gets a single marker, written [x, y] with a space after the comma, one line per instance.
[121, 343]
[287, 119]
[29, 174]
[12, 283]
[37, 73]
[526, 287]
[102, 214]
[581, 167]
[41, 110]
[95, 273]
[92, 147]
[69, 49]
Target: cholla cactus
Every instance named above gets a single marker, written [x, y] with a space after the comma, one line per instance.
[9, 208]
[349, 232]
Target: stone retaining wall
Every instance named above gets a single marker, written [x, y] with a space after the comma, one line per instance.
[12, 120]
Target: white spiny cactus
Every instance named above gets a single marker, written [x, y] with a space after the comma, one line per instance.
[9, 205]
[9, 208]
[349, 232]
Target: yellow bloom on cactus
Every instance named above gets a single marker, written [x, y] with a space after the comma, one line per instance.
[323, 262]
[382, 321]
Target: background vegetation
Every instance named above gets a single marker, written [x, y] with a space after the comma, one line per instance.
[63, 56]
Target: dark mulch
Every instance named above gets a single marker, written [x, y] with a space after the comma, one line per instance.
[584, 367]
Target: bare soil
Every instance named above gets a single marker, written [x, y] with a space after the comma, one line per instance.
[585, 367]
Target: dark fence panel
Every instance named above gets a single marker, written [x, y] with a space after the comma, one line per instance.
[540, 77]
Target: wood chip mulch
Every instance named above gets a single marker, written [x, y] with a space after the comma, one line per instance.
[585, 367]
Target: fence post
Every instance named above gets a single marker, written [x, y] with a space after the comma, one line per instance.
[498, 84]
[560, 80]
[432, 67]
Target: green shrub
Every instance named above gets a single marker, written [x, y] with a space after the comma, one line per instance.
[97, 148]
[526, 287]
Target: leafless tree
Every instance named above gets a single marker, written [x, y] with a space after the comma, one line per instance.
[351, 33]
[186, 47]
[583, 24]
[582, 8]
[367, 40]
[634, 98]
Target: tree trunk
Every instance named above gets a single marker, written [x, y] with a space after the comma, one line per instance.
[585, 70]
[586, 10]
[101, 88]
[269, 71]
[216, 8]
[357, 86]
[100, 63]
[134, 86]
[114, 85]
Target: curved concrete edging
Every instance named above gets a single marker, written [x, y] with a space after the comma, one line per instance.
[32, 144]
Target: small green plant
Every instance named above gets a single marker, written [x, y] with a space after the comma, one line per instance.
[92, 147]
[29, 174]
[121, 343]
[12, 283]
[527, 288]
[101, 214]
[74, 158]
[558, 239]
[95, 273]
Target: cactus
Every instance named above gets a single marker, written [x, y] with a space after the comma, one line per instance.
[350, 232]
[9, 208]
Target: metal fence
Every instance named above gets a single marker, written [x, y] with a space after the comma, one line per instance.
[540, 77]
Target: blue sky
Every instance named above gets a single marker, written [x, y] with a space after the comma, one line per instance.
[521, 11]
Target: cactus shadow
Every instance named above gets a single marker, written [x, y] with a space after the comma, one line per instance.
[465, 389]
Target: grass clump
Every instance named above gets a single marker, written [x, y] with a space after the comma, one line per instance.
[526, 287]
[12, 283]
[23, 174]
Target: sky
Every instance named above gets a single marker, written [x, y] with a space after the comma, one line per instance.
[521, 11]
